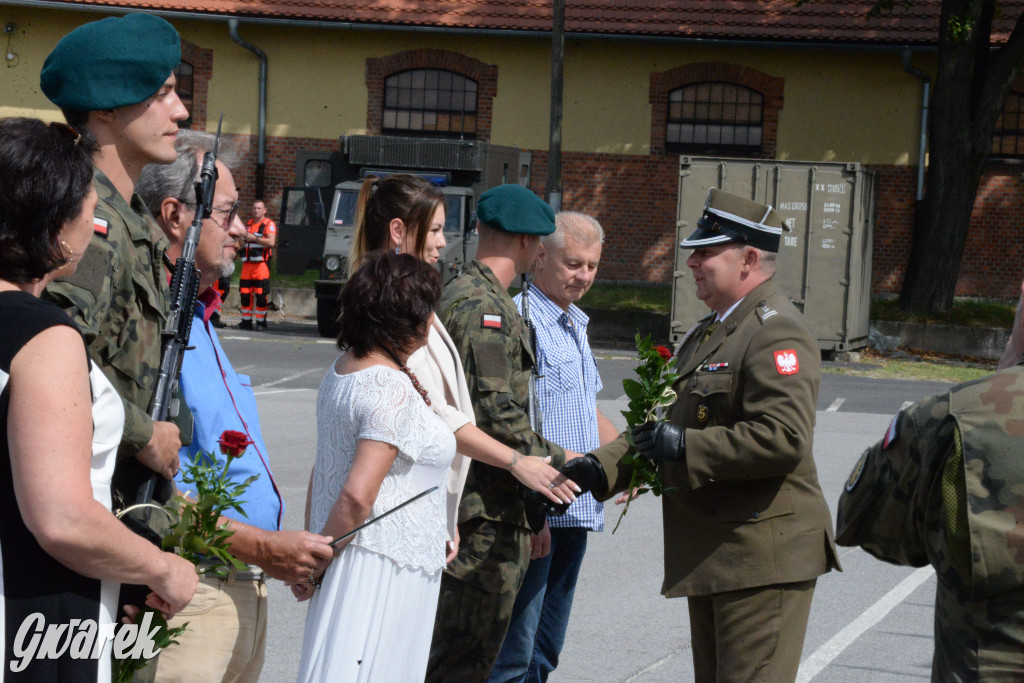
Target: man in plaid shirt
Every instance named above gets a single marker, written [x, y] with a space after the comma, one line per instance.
[567, 391]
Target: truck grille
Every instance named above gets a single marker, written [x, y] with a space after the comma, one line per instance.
[379, 150]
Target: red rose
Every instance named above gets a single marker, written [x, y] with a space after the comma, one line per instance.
[665, 354]
[232, 443]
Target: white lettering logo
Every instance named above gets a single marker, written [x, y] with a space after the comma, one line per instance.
[81, 639]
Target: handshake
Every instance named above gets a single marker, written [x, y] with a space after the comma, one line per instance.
[659, 440]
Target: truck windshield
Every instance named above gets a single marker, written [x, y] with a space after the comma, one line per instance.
[345, 214]
[453, 214]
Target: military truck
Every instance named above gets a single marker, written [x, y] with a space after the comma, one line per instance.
[318, 218]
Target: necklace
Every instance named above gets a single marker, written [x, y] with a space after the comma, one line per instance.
[415, 382]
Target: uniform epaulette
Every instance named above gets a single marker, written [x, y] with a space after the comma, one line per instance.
[763, 312]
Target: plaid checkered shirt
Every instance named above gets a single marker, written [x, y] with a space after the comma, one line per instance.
[567, 392]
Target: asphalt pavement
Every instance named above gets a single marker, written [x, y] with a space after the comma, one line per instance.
[872, 621]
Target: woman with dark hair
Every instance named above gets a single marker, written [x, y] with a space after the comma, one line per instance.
[379, 444]
[406, 214]
[63, 552]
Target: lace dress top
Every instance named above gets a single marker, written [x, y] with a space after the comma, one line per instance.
[380, 404]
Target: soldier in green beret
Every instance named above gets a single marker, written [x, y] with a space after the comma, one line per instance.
[113, 81]
[478, 588]
[747, 529]
[945, 487]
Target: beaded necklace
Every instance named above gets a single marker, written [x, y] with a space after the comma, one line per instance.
[415, 382]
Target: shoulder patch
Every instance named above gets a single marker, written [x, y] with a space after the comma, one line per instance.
[491, 321]
[100, 226]
[786, 362]
[858, 469]
[764, 313]
[892, 432]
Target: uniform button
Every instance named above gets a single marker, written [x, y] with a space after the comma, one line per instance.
[756, 515]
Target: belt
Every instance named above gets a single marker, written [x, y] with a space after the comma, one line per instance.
[250, 573]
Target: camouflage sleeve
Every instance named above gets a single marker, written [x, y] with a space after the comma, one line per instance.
[886, 502]
[494, 378]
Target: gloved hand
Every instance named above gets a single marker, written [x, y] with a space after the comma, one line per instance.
[588, 474]
[660, 440]
[538, 507]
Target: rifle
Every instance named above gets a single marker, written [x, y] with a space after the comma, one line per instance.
[184, 291]
[533, 404]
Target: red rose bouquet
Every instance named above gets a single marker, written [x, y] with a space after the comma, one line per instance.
[649, 394]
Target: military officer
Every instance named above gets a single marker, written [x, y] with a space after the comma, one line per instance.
[479, 587]
[747, 530]
[944, 487]
[113, 80]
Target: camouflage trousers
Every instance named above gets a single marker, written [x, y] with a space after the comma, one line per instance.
[478, 591]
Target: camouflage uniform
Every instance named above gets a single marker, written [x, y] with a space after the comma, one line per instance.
[479, 587]
[946, 487]
[118, 299]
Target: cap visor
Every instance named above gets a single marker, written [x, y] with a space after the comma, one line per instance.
[704, 238]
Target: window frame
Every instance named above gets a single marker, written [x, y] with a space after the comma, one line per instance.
[419, 95]
[709, 101]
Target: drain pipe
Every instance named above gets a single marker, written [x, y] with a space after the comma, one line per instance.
[926, 91]
[261, 139]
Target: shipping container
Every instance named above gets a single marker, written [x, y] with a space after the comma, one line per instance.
[824, 261]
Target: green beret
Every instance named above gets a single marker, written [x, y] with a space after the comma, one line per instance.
[513, 208]
[111, 63]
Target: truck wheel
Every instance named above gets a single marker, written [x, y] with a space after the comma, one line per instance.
[327, 313]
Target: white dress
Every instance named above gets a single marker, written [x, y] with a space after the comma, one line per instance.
[373, 617]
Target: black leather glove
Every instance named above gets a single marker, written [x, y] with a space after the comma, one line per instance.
[537, 509]
[660, 440]
[588, 474]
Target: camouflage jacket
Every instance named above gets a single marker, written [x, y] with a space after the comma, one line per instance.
[945, 487]
[118, 299]
[487, 330]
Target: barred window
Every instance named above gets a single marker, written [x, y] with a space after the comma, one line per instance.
[183, 75]
[1008, 139]
[430, 102]
[714, 118]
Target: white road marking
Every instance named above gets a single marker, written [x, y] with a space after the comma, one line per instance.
[288, 378]
[813, 665]
[278, 391]
[326, 341]
[835, 405]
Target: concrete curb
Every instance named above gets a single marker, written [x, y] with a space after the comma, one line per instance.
[618, 328]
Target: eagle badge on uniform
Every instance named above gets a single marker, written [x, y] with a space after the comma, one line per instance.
[492, 321]
[702, 413]
[786, 362]
[100, 226]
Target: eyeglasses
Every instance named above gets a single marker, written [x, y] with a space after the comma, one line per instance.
[68, 131]
[232, 213]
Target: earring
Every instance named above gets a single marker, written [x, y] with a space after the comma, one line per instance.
[71, 253]
[397, 250]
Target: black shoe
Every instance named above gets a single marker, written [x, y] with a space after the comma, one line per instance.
[261, 324]
[245, 325]
[217, 322]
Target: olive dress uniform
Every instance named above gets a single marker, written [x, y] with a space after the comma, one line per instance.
[478, 589]
[945, 487]
[745, 524]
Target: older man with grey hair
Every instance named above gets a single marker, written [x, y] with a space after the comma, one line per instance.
[227, 619]
[565, 269]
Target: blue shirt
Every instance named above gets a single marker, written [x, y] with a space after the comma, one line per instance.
[567, 392]
[221, 399]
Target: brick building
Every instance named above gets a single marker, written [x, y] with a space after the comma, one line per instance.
[645, 80]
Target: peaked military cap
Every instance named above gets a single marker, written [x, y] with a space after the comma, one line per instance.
[515, 209]
[729, 218]
[110, 63]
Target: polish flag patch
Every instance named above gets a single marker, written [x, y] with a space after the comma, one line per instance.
[100, 226]
[786, 362]
[492, 321]
[892, 432]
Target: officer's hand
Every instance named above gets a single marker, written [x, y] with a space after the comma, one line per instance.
[587, 473]
[161, 453]
[660, 440]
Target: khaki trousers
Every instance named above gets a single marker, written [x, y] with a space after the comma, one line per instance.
[755, 634]
[226, 638]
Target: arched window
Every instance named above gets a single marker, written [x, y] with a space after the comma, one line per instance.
[1008, 139]
[183, 74]
[714, 118]
[430, 102]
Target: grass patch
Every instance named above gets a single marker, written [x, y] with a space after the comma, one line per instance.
[921, 365]
[967, 313]
[616, 297]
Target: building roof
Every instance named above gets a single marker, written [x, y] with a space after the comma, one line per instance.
[841, 21]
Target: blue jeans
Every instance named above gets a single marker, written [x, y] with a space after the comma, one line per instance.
[541, 612]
